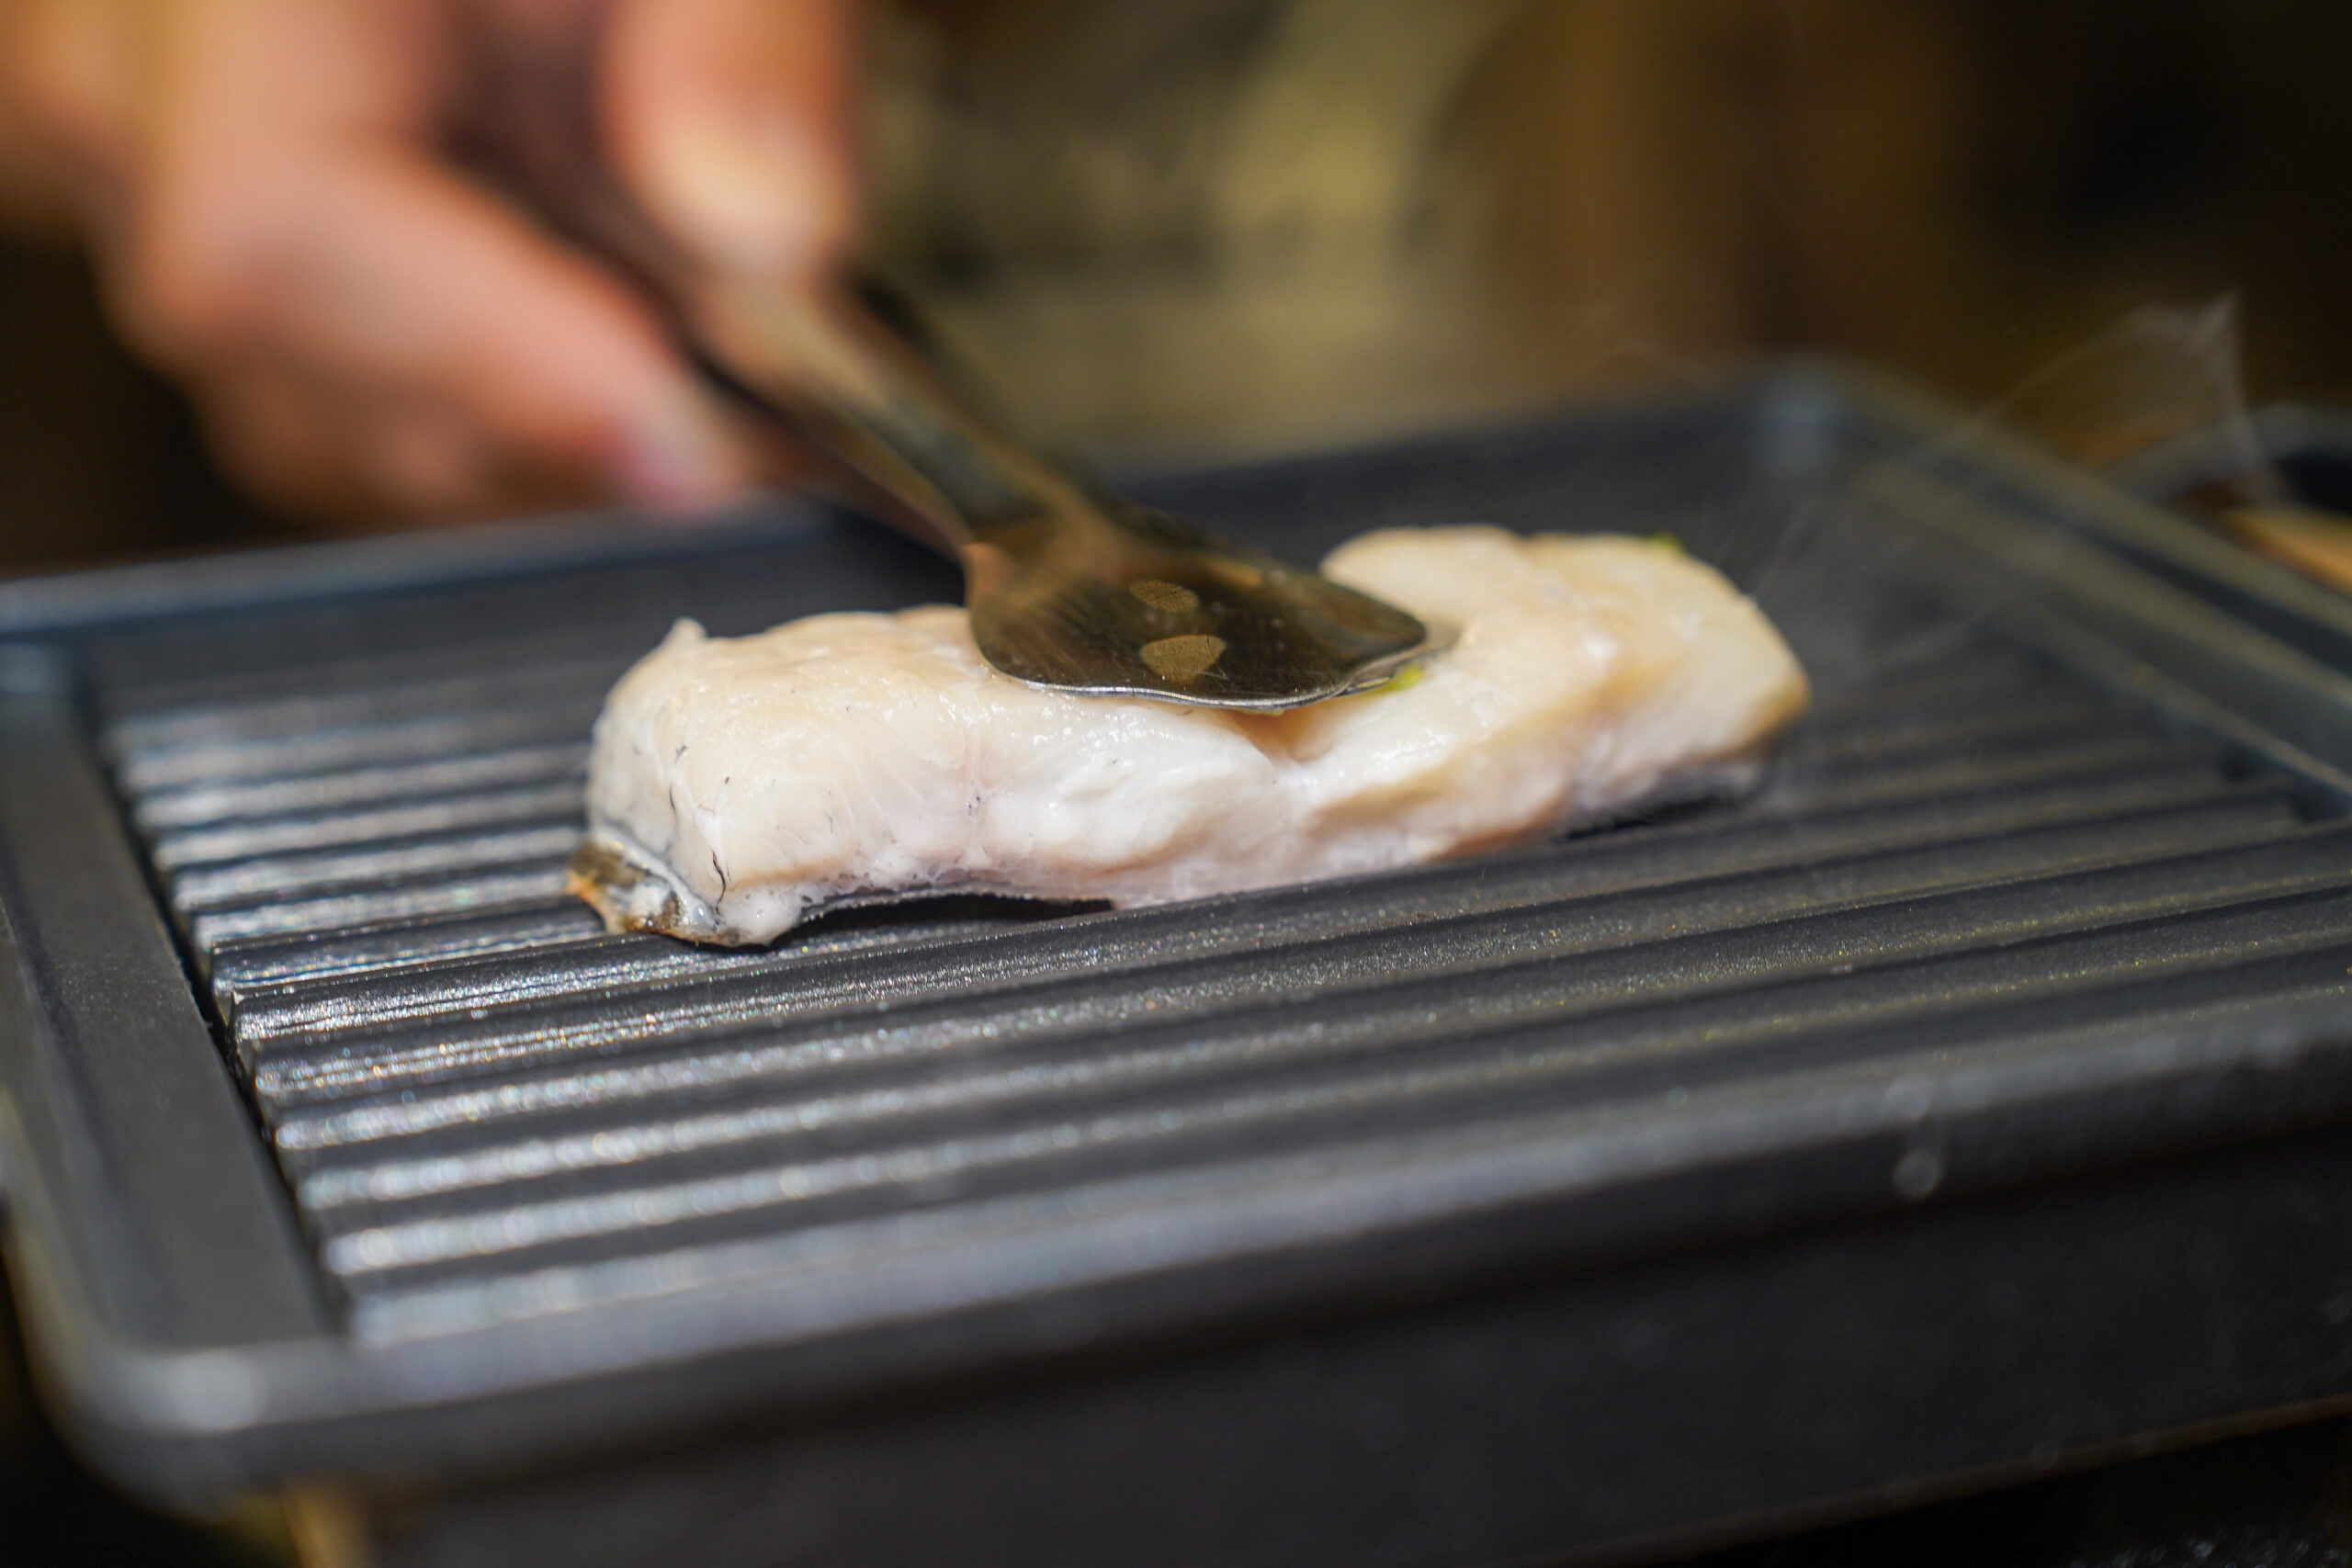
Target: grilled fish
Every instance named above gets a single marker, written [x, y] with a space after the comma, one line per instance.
[738, 784]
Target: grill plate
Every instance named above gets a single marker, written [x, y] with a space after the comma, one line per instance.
[2054, 878]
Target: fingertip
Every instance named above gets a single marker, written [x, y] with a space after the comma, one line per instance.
[681, 456]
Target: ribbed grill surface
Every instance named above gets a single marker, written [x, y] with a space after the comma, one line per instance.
[472, 1090]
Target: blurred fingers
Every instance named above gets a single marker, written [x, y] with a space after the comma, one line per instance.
[308, 448]
[311, 237]
[731, 121]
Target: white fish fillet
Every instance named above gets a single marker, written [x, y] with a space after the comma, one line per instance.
[738, 784]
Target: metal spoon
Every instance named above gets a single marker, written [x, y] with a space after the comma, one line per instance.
[1068, 583]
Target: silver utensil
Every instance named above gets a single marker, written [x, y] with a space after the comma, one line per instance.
[1068, 583]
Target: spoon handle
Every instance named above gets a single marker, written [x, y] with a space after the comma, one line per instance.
[852, 387]
[820, 363]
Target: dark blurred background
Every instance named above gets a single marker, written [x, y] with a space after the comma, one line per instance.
[1198, 228]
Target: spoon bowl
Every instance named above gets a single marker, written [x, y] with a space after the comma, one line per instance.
[1068, 583]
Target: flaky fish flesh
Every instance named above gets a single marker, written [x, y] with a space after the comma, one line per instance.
[736, 785]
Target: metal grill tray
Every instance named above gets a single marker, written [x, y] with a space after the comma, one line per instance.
[2056, 881]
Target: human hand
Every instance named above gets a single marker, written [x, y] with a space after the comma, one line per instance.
[370, 329]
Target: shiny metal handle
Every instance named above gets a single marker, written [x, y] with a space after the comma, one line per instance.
[825, 366]
[851, 386]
